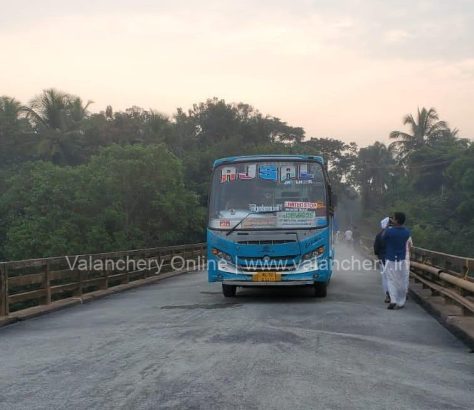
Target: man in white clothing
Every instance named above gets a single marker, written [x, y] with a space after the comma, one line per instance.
[348, 236]
[379, 251]
[396, 269]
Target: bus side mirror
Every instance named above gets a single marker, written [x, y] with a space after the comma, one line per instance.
[334, 200]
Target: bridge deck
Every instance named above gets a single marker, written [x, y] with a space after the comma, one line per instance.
[180, 344]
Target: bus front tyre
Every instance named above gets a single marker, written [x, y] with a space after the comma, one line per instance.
[320, 289]
[229, 290]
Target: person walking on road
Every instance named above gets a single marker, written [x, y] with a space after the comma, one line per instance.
[396, 267]
[379, 251]
[348, 236]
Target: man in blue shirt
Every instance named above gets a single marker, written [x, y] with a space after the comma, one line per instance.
[396, 267]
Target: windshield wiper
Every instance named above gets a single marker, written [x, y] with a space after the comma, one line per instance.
[246, 216]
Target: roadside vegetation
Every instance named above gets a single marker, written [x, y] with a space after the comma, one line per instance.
[73, 181]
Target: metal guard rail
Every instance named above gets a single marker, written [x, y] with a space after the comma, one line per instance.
[450, 287]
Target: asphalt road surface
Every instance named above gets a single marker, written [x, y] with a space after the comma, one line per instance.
[180, 345]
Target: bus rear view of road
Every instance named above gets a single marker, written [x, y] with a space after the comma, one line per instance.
[270, 223]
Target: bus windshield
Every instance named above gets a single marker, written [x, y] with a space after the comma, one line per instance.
[296, 191]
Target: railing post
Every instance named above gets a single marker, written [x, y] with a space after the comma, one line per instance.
[47, 284]
[4, 306]
[146, 257]
[106, 279]
[159, 258]
[127, 276]
[81, 278]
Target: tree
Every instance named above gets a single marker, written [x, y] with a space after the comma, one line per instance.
[124, 198]
[427, 165]
[132, 126]
[215, 129]
[340, 158]
[215, 120]
[57, 118]
[374, 173]
[15, 131]
[122, 179]
[425, 127]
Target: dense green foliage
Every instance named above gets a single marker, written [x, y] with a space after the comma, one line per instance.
[428, 173]
[76, 182]
[124, 197]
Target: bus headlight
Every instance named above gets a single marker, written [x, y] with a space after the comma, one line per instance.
[313, 254]
[221, 255]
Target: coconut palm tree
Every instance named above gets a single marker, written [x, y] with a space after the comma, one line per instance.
[10, 107]
[15, 131]
[77, 109]
[57, 118]
[424, 128]
[57, 110]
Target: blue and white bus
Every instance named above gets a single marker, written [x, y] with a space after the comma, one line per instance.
[270, 223]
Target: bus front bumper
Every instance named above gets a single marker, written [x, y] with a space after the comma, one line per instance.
[283, 279]
[284, 283]
[309, 273]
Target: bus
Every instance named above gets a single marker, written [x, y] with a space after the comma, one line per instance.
[270, 223]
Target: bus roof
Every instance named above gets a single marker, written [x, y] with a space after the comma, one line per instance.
[245, 158]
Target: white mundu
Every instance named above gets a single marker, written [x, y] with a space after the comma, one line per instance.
[383, 224]
[397, 274]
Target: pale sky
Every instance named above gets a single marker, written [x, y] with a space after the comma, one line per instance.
[347, 69]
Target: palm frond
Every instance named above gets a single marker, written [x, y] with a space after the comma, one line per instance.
[436, 127]
[408, 119]
[37, 118]
[400, 134]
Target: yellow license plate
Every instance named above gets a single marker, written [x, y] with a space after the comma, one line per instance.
[267, 277]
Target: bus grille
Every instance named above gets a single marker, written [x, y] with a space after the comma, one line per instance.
[278, 263]
[277, 268]
[266, 242]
